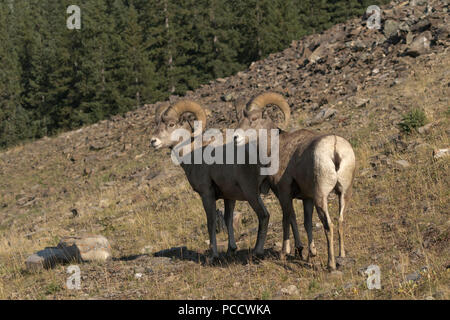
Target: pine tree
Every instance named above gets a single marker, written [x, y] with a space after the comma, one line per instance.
[134, 72]
[219, 38]
[14, 119]
[96, 87]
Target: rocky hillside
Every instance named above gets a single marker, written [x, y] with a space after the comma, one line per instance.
[352, 80]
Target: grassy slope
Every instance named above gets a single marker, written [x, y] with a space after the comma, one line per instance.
[398, 219]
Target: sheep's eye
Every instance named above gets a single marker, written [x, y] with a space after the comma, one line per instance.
[254, 119]
[171, 125]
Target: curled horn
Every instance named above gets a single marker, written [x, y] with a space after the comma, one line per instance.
[189, 106]
[262, 100]
[160, 111]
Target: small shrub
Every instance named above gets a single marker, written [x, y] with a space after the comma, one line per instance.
[413, 120]
[52, 288]
[266, 295]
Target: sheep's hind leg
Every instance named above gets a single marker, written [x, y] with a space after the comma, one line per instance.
[322, 210]
[229, 209]
[263, 218]
[308, 208]
[344, 199]
[298, 242]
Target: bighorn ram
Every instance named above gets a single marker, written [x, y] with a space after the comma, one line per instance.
[311, 166]
[215, 181]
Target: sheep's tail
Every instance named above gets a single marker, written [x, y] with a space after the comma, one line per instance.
[345, 164]
[334, 164]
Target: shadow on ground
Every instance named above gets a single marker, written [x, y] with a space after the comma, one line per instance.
[243, 257]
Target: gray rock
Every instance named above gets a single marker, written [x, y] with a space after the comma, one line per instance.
[46, 259]
[402, 164]
[348, 286]
[413, 277]
[93, 248]
[320, 53]
[391, 28]
[440, 153]
[356, 45]
[421, 26]
[418, 2]
[323, 115]
[88, 248]
[403, 26]
[228, 97]
[428, 10]
[409, 38]
[358, 102]
[420, 45]
[425, 129]
[290, 290]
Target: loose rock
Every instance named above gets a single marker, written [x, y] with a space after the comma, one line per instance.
[291, 290]
[90, 248]
[440, 153]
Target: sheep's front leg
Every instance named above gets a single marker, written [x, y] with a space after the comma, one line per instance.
[229, 209]
[289, 219]
[209, 203]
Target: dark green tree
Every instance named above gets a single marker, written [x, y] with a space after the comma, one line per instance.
[14, 119]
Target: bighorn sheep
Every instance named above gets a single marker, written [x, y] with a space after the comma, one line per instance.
[311, 166]
[215, 181]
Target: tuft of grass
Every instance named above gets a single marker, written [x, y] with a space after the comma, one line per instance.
[266, 295]
[413, 120]
[52, 288]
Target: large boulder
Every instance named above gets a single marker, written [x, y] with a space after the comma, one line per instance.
[46, 259]
[89, 248]
[391, 29]
[70, 249]
[321, 53]
[420, 44]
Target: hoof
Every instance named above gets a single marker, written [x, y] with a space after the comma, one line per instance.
[313, 252]
[212, 260]
[231, 251]
[258, 254]
[331, 267]
[299, 253]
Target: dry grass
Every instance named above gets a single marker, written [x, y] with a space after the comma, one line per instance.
[398, 219]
